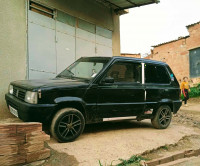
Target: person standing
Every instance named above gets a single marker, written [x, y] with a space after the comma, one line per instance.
[185, 89]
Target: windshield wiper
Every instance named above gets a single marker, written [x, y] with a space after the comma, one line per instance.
[70, 72]
[62, 76]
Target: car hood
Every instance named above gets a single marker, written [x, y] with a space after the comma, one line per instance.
[49, 83]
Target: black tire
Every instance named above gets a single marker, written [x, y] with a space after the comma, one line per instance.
[162, 118]
[67, 125]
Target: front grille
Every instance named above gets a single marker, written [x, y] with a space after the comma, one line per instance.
[19, 93]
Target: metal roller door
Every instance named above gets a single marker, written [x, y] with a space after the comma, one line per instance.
[55, 42]
[103, 42]
[65, 41]
[41, 46]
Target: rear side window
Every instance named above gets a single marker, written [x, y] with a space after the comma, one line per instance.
[156, 74]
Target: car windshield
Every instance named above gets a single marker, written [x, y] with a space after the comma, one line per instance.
[85, 68]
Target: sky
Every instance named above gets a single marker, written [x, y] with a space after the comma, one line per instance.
[153, 24]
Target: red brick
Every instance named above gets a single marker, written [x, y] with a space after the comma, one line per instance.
[34, 156]
[179, 155]
[191, 153]
[12, 139]
[152, 162]
[12, 160]
[27, 147]
[7, 129]
[165, 160]
[34, 138]
[197, 151]
[29, 127]
[176, 52]
[8, 150]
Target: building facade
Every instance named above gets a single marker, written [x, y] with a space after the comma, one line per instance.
[40, 38]
[182, 55]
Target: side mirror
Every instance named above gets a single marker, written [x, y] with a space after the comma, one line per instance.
[109, 80]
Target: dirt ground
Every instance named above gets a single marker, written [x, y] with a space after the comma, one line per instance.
[108, 142]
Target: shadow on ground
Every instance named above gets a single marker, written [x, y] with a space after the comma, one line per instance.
[116, 125]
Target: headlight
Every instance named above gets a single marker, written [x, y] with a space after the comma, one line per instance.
[10, 89]
[31, 97]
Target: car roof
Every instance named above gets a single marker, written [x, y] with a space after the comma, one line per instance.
[139, 60]
[129, 59]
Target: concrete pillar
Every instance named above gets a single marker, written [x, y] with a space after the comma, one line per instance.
[12, 47]
[116, 35]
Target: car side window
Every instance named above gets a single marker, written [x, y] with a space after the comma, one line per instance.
[156, 74]
[125, 72]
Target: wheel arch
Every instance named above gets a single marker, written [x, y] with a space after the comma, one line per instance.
[70, 102]
[164, 102]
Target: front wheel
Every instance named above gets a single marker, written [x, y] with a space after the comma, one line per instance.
[67, 124]
[162, 118]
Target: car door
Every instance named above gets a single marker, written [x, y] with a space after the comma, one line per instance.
[157, 84]
[123, 97]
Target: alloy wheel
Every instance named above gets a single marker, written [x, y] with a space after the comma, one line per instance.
[165, 116]
[69, 126]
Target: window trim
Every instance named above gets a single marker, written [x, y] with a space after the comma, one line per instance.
[43, 12]
[157, 83]
[143, 73]
[120, 83]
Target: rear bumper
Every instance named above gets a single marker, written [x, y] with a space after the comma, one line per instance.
[176, 106]
[30, 112]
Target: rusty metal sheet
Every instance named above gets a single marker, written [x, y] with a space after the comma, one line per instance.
[126, 4]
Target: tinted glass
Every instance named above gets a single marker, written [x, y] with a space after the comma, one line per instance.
[125, 72]
[84, 68]
[156, 74]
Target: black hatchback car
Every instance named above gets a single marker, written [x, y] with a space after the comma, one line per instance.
[97, 89]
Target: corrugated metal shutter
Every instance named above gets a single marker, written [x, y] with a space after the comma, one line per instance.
[55, 42]
[41, 46]
[65, 40]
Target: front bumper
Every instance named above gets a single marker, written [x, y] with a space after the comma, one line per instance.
[30, 112]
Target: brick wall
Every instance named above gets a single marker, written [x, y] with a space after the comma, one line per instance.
[22, 143]
[176, 53]
[131, 55]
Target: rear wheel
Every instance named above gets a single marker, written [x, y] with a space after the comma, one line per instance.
[67, 124]
[162, 118]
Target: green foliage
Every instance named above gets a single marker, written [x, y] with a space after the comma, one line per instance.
[194, 92]
[100, 163]
[133, 160]
[164, 147]
[106, 164]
